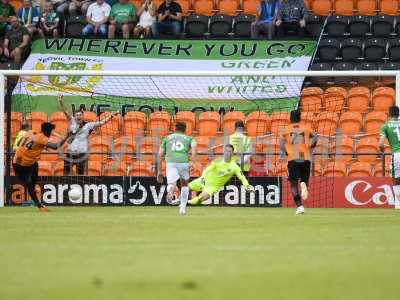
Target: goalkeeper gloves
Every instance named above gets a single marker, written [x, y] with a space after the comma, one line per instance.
[250, 188]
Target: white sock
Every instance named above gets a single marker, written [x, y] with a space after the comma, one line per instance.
[170, 188]
[396, 189]
[184, 196]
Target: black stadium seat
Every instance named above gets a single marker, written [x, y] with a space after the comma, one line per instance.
[394, 49]
[314, 25]
[74, 26]
[328, 49]
[321, 66]
[343, 66]
[366, 66]
[336, 25]
[374, 49]
[359, 25]
[390, 66]
[382, 26]
[220, 25]
[196, 25]
[242, 25]
[351, 49]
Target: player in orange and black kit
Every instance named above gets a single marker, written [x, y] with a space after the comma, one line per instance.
[297, 141]
[26, 158]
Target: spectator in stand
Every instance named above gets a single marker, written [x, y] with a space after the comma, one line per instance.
[169, 19]
[122, 17]
[265, 19]
[6, 11]
[291, 17]
[147, 16]
[49, 21]
[77, 6]
[60, 6]
[97, 18]
[16, 41]
[29, 17]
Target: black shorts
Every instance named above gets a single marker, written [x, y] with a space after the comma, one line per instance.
[26, 174]
[299, 170]
[79, 160]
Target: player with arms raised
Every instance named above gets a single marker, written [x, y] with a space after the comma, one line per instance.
[297, 141]
[216, 175]
[176, 147]
[391, 131]
[26, 158]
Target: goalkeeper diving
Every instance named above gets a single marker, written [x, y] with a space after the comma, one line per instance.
[216, 175]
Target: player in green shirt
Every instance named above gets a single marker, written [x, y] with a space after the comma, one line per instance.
[391, 131]
[122, 17]
[176, 148]
[216, 175]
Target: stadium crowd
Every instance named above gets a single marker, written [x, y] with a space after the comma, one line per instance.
[24, 20]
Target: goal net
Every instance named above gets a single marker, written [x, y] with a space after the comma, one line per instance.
[119, 164]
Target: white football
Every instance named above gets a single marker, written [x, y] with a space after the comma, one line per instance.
[74, 194]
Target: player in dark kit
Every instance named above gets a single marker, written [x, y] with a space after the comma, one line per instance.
[297, 141]
[26, 158]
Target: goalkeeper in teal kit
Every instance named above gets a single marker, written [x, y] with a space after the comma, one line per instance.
[216, 175]
[391, 131]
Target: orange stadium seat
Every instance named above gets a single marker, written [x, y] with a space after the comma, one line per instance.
[378, 169]
[322, 151]
[188, 118]
[307, 118]
[204, 7]
[344, 148]
[208, 123]
[45, 168]
[137, 3]
[94, 168]
[344, 7]
[228, 7]
[89, 116]
[186, 7]
[278, 121]
[334, 98]
[367, 145]
[36, 118]
[350, 122]
[389, 7]
[58, 169]
[134, 123]
[359, 169]
[334, 169]
[373, 121]
[383, 98]
[280, 168]
[196, 169]
[148, 147]
[60, 120]
[112, 127]
[326, 123]
[124, 147]
[203, 146]
[229, 120]
[316, 169]
[99, 147]
[141, 168]
[358, 99]
[114, 168]
[217, 144]
[311, 99]
[257, 123]
[159, 123]
[270, 146]
[250, 7]
[321, 7]
[16, 122]
[366, 7]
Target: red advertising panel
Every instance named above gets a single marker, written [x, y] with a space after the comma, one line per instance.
[346, 192]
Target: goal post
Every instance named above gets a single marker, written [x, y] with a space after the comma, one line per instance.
[254, 90]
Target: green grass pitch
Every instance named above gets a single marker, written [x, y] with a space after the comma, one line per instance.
[213, 253]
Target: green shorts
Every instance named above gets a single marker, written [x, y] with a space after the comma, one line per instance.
[201, 185]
